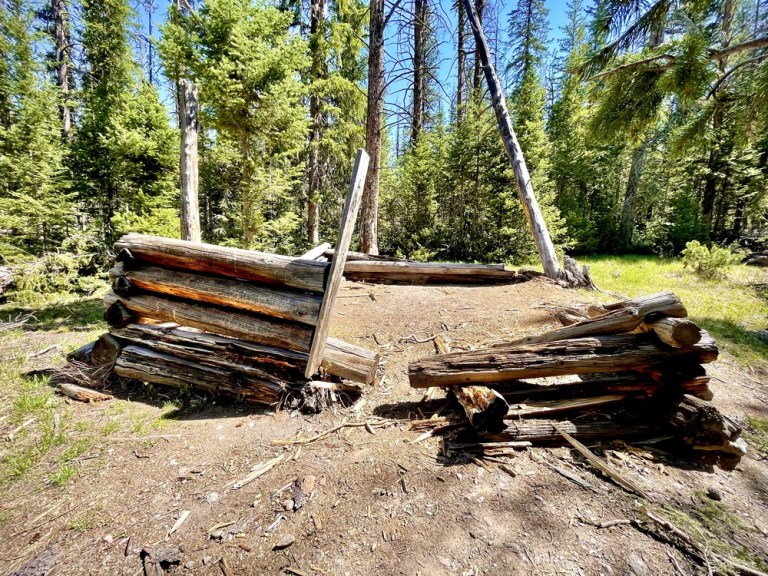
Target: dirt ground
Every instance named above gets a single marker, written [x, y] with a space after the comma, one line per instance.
[380, 504]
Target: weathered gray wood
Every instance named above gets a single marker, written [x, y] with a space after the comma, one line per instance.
[615, 321]
[224, 261]
[105, 350]
[335, 274]
[259, 329]
[576, 356]
[280, 302]
[147, 365]
[675, 332]
[381, 271]
[341, 358]
[524, 187]
[188, 160]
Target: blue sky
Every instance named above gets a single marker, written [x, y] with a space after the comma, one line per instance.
[446, 23]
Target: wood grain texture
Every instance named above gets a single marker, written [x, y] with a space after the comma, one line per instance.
[335, 274]
[224, 261]
[576, 356]
[280, 302]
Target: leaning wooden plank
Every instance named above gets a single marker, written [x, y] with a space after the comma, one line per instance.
[576, 356]
[259, 329]
[146, 365]
[335, 274]
[281, 302]
[316, 253]
[223, 261]
[624, 319]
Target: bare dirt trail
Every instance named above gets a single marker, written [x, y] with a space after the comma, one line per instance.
[381, 505]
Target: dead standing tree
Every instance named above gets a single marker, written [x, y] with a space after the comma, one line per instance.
[524, 187]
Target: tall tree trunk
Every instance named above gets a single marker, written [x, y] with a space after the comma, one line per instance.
[462, 62]
[419, 68]
[373, 130]
[522, 177]
[62, 39]
[318, 10]
[188, 160]
[627, 224]
[477, 77]
[189, 126]
[713, 184]
[246, 185]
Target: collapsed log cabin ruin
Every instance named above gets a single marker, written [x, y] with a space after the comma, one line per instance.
[254, 326]
[632, 371]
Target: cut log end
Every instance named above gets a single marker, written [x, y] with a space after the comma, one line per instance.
[485, 408]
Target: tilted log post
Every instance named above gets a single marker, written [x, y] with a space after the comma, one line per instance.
[523, 178]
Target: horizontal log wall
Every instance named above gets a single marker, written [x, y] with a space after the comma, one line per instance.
[280, 302]
[220, 260]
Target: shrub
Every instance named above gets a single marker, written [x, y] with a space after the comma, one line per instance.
[706, 262]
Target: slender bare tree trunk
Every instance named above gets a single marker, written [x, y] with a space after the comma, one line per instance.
[462, 62]
[524, 187]
[477, 76]
[186, 93]
[627, 223]
[318, 12]
[188, 161]
[419, 68]
[62, 39]
[373, 128]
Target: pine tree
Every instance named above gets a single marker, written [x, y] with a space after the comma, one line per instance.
[35, 210]
[247, 63]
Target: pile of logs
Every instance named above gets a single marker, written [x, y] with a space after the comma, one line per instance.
[220, 320]
[630, 370]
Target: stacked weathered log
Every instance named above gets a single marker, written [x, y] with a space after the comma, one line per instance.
[623, 371]
[387, 270]
[220, 320]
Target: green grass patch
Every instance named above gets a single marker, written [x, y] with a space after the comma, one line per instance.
[63, 475]
[756, 434]
[76, 449]
[731, 308]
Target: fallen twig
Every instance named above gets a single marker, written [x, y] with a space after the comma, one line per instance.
[603, 466]
[344, 424]
[256, 471]
[44, 351]
[182, 518]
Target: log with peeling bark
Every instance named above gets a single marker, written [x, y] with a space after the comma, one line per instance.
[626, 318]
[340, 358]
[485, 408]
[387, 272]
[146, 365]
[230, 262]
[575, 356]
[280, 302]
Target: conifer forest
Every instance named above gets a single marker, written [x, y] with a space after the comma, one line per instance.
[644, 124]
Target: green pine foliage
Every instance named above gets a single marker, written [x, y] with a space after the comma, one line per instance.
[35, 207]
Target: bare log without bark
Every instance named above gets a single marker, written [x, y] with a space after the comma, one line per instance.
[625, 318]
[382, 271]
[259, 329]
[576, 356]
[485, 408]
[282, 303]
[675, 332]
[240, 329]
[230, 262]
[147, 365]
[317, 253]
